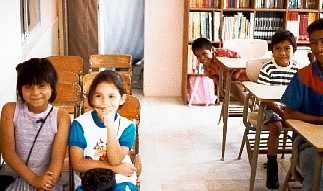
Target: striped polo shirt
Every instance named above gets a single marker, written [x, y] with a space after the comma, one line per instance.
[273, 74]
[305, 91]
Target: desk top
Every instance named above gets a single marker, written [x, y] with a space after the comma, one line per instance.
[265, 92]
[312, 133]
[233, 63]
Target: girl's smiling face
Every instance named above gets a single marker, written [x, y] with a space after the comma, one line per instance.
[107, 98]
[36, 96]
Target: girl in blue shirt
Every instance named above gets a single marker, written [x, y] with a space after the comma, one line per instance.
[101, 138]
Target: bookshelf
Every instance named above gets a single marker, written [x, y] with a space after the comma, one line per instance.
[219, 20]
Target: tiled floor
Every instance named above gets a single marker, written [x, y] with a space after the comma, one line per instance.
[181, 148]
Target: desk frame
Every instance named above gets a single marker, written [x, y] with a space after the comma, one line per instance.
[227, 66]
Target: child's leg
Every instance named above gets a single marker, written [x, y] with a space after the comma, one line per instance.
[307, 161]
[272, 166]
[237, 91]
[273, 139]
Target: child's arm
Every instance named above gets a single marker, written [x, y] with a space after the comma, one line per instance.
[293, 114]
[8, 148]
[80, 164]
[115, 152]
[59, 145]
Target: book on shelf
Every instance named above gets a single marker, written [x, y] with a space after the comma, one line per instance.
[302, 4]
[216, 26]
[292, 24]
[200, 25]
[193, 65]
[201, 3]
[266, 24]
[297, 23]
[270, 4]
[237, 26]
[236, 4]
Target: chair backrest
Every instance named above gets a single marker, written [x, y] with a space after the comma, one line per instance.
[67, 77]
[68, 97]
[120, 62]
[131, 108]
[253, 67]
[68, 63]
[247, 48]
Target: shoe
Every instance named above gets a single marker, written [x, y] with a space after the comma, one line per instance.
[272, 172]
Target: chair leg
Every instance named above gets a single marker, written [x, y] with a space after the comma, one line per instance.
[243, 142]
[287, 179]
[284, 144]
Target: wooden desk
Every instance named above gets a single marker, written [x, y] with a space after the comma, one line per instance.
[227, 66]
[313, 134]
[263, 94]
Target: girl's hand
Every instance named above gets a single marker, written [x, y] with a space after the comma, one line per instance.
[106, 116]
[45, 182]
[108, 119]
[125, 169]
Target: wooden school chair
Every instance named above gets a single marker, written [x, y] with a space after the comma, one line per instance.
[250, 115]
[122, 63]
[68, 63]
[69, 70]
[69, 97]
[247, 49]
[131, 110]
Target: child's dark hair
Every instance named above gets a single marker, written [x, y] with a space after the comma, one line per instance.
[315, 26]
[35, 72]
[108, 76]
[201, 43]
[98, 179]
[282, 35]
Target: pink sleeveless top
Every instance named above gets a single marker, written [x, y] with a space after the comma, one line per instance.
[26, 127]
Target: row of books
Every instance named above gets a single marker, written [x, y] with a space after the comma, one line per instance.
[237, 27]
[261, 25]
[204, 3]
[270, 4]
[236, 3]
[266, 24]
[302, 4]
[297, 23]
[204, 24]
[193, 65]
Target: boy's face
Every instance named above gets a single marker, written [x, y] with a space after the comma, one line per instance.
[204, 56]
[316, 44]
[282, 52]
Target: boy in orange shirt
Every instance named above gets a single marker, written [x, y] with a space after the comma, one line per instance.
[207, 55]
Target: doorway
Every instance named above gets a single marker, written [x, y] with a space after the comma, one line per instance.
[104, 27]
[121, 31]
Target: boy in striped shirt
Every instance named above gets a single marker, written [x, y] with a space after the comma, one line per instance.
[278, 71]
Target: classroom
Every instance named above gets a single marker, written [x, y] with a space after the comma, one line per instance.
[210, 94]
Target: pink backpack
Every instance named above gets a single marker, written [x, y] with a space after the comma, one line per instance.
[201, 91]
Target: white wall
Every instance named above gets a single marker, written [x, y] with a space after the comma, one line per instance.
[42, 42]
[163, 47]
